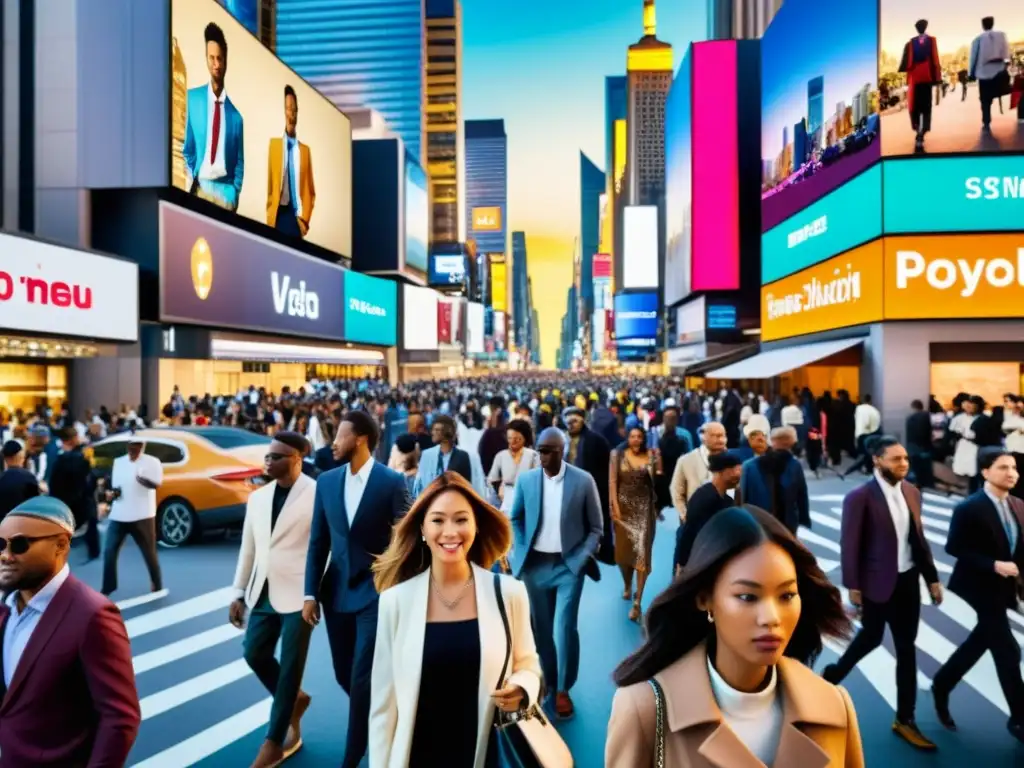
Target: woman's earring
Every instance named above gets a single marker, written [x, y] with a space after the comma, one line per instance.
[423, 538]
[711, 619]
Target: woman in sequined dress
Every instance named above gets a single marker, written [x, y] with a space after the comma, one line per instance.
[634, 511]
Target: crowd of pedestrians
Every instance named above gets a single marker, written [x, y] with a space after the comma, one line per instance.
[444, 533]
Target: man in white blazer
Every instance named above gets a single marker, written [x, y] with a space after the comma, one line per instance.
[691, 471]
[270, 582]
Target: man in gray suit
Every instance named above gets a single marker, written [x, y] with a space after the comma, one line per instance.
[556, 517]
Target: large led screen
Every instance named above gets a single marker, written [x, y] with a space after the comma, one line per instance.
[964, 194]
[371, 309]
[678, 185]
[499, 285]
[636, 316]
[419, 318]
[474, 328]
[640, 242]
[819, 102]
[842, 219]
[417, 216]
[946, 81]
[250, 136]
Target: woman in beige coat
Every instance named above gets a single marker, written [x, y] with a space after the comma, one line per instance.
[721, 679]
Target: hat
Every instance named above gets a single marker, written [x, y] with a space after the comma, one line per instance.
[39, 430]
[757, 423]
[46, 508]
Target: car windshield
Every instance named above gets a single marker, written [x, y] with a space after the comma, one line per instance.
[227, 437]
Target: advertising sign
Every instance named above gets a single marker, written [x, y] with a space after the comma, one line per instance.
[965, 61]
[474, 328]
[487, 219]
[819, 103]
[640, 242]
[843, 291]
[954, 194]
[499, 286]
[371, 309]
[253, 137]
[636, 315]
[445, 312]
[954, 276]
[843, 219]
[602, 266]
[447, 269]
[417, 215]
[419, 318]
[679, 183]
[213, 274]
[690, 322]
[50, 289]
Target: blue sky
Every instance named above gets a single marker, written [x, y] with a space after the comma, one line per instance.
[843, 49]
[541, 65]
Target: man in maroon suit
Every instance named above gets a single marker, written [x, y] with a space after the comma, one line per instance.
[69, 697]
[884, 555]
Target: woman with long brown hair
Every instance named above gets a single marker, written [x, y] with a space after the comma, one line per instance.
[441, 635]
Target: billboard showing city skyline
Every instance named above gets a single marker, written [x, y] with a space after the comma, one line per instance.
[935, 82]
[417, 215]
[820, 124]
[679, 185]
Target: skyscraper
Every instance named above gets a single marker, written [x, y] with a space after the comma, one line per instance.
[649, 73]
[815, 103]
[487, 184]
[740, 19]
[521, 307]
[592, 186]
[359, 54]
[615, 111]
[445, 152]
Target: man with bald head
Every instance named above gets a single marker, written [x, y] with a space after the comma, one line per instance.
[557, 522]
[691, 471]
[69, 696]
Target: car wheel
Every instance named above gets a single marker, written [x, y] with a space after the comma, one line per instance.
[176, 522]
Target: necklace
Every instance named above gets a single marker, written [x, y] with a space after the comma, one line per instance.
[451, 605]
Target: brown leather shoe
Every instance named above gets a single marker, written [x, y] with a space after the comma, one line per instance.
[271, 755]
[563, 706]
[909, 732]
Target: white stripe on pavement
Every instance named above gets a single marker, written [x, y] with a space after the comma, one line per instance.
[828, 497]
[810, 536]
[179, 612]
[954, 499]
[133, 602]
[941, 525]
[828, 522]
[184, 692]
[166, 654]
[828, 565]
[937, 510]
[213, 739]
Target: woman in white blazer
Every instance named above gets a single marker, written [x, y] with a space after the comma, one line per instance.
[441, 642]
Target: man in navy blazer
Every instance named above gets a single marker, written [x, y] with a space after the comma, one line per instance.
[353, 512]
[885, 554]
[557, 521]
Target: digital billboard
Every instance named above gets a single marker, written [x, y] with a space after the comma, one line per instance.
[447, 269]
[487, 219]
[499, 286]
[419, 318]
[371, 309]
[678, 184]
[216, 275]
[842, 219]
[640, 242]
[819, 100]
[474, 328]
[964, 194]
[417, 215]
[253, 137]
[944, 85]
[636, 316]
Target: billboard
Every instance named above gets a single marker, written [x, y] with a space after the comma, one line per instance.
[474, 328]
[371, 309]
[946, 82]
[842, 219]
[487, 219]
[50, 289]
[419, 316]
[602, 266]
[954, 276]
[640, 243]
[447, 269]
[499, 286]
[679, 184]
[691, 322]
[417, 215]
[964, 194]
[819, 103]
[253, 137]
[215, 275]
[636, 316]
[843, 291]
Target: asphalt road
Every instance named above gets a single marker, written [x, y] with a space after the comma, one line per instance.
[202, 706]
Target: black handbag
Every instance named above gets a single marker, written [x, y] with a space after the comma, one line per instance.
[524, 739]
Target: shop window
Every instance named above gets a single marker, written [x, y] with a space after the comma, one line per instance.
[165, 453]
[255, 367]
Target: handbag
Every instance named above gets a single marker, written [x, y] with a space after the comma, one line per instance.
[659, 730]
[524, 739]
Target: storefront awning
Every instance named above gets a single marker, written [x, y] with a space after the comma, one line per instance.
[263, 351]
[701, 367]
[774, 362]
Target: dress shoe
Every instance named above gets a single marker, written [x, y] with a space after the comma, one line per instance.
[909, 732]
[941, 699]
[271, 755]
[1016, 728]
[563, 706]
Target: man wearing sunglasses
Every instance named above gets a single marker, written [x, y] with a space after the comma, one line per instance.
[68, 686]
[270, 582]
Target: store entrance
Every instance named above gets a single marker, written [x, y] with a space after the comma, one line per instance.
[28, 385]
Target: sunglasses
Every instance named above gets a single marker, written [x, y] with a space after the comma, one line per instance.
[19, 545]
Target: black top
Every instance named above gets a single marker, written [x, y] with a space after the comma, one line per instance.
[280, 497]
[16, 485]
[446, 716]
[977, 539]
[702, 506]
